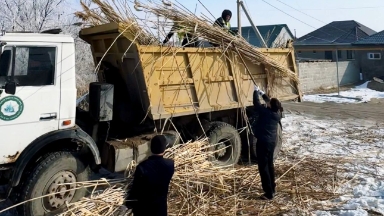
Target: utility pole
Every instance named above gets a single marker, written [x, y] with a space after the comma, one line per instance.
[252, 24]
[337, 72]
[239, 17]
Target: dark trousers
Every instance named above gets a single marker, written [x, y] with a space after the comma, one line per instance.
[264, 152]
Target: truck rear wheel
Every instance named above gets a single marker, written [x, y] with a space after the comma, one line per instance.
[46, 178]
[226, 141]
[172, 137]
[279, 143]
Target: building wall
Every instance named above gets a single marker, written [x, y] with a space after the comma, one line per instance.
[282, 38]
[311, 54]
[320, 54]
[370, 68]
[316, 75]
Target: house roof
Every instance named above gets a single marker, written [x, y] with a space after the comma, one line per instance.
[268, 32]
[374, 39]
[337, 32]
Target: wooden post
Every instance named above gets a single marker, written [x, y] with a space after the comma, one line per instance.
[337, 72]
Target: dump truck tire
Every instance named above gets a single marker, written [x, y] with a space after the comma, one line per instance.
[54, 169]
[279, 143]
[172, 137]
[221, 132]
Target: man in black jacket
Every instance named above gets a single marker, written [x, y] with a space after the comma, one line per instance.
[265, 130]
[223, 21]
[149, 189]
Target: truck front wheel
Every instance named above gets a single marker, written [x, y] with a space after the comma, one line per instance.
[47, 178]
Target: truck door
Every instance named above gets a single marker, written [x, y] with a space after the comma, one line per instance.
[34, 109]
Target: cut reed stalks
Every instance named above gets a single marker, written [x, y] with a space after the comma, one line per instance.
[199, 187]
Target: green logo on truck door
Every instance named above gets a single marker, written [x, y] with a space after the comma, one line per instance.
[11, 108]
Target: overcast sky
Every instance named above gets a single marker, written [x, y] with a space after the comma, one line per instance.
[303, 16]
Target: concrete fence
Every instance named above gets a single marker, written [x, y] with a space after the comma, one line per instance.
[316, 75]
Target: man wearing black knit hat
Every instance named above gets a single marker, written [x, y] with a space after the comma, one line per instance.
[148, 193]
[223, 21]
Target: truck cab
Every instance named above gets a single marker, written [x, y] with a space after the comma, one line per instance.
[41, 69]
[37, 120]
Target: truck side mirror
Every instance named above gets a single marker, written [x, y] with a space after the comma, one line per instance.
[10, 88]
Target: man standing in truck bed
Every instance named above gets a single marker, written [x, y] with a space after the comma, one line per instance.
[224, 23]
[186, 38]
[149, 189]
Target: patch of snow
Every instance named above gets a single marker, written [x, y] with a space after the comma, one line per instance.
[353, 139]
[361, 92]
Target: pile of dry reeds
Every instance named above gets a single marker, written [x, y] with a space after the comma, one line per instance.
[200, 26]
[117, 12]
[199, 187]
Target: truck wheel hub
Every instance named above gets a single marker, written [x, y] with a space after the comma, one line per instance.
[221, 149]
[61, 189]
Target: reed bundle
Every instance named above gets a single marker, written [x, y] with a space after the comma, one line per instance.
[117, 12]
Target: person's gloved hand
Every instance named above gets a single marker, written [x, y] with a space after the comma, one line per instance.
[259, 91]
[165, 41]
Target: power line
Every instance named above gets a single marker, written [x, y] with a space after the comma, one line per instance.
[327, 9]
[299, 21]
[288, 14]
[310, 16]
[351, 8]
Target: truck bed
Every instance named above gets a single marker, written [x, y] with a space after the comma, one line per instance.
[175, 81]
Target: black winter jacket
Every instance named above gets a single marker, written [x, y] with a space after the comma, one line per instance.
[265, 127]
[150, 187]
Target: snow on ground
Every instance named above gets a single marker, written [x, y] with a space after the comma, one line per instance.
[352, 139]
[361, 141]
[362, 93]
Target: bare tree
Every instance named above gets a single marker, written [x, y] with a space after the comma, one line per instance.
[38, 15]
[30, 15]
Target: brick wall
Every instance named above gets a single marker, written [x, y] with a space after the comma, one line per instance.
[315, 75]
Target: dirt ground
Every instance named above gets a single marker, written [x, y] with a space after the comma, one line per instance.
[373, 110]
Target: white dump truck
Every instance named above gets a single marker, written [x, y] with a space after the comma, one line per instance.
[46, 140]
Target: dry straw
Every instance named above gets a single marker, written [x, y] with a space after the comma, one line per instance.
[108, 13]
[199, 187]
